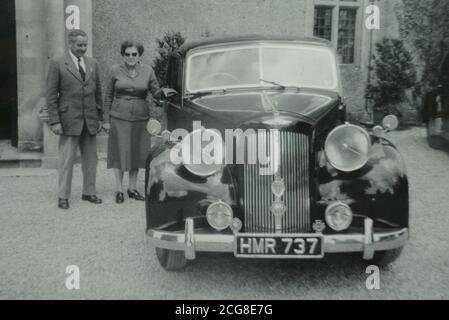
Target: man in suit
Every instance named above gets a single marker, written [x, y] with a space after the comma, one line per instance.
[75, 109]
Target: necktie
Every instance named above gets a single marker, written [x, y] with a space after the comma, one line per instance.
[82, 72]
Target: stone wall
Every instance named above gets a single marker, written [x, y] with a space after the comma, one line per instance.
[31, 65]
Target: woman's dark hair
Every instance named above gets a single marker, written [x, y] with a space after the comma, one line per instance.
[128, 44]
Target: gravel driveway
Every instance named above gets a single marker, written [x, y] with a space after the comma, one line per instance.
[38, 242]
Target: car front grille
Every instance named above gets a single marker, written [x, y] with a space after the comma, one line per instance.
[258, 196]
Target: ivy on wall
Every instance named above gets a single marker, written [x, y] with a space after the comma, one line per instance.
[425, 26]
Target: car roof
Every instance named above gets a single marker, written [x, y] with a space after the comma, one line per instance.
[189, 45]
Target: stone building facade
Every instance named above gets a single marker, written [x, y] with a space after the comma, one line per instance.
[40, 33]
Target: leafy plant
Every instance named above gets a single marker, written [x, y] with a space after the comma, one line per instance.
[394, 73]
[165, 47]
[169, 43]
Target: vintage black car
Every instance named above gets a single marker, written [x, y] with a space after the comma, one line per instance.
[435, 110]
[281, 173]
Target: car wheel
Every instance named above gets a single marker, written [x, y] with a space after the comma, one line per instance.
[435, 141]
[171, 259]
[384, 258]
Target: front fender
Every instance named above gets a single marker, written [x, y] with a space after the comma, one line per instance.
[379, 190]
[174, 194]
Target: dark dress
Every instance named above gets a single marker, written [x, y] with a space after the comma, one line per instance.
[126, 106]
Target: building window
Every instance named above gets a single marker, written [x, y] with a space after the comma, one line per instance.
[323, 23]
[346, 34]
[336, 21]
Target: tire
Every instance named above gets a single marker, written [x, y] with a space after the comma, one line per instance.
[171, 259]
[435, 141]
[384, 258]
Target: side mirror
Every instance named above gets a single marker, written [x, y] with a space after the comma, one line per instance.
[389, 123]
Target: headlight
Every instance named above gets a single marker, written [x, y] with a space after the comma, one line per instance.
[347, 147]
[338, 216]
[219, 215]
[203, 152]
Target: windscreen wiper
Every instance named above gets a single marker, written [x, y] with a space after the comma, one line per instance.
[281, 86]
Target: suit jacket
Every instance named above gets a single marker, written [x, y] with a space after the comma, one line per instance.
[72, 101]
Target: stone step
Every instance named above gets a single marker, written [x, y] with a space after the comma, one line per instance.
[25, 172]
[11, 158]
[20, 163]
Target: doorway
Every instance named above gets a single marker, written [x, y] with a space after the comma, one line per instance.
[8, 72]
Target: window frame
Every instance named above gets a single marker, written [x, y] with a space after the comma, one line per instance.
[259, 46]
[336, 5]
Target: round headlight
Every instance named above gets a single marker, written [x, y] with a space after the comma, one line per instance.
[154, 127]
[347, 147]
[338, 216]
[203, 152]
[219, 215]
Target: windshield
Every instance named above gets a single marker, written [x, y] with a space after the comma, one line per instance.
[256, 65]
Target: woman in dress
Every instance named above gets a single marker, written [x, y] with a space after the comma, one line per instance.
[127, 112]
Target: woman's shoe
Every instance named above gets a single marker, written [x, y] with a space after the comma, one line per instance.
[135, 195]
[119, 197]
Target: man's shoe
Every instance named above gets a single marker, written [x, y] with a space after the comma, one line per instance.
[91, 199]
[63, 204]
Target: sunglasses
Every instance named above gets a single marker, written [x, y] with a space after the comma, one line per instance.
[134, 54]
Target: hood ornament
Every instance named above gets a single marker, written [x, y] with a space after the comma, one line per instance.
[278, 121]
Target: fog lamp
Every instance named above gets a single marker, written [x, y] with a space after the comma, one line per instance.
[219, 215]
[338, 216]
[347, 147]
[236, 225]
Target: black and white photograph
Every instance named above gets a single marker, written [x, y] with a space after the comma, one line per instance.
[224, 150]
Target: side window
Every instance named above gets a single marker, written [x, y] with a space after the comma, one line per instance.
[444, 73]
[180, 75]
[172, 72]
[175, 73]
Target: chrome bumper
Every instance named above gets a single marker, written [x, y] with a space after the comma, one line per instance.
[191, 242]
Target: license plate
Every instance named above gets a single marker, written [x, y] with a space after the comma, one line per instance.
[278, 246]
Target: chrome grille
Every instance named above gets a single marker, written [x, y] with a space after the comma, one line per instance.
[258, 197]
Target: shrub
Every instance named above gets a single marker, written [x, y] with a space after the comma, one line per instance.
[394, 73]
[165, 48]
[169, 43]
